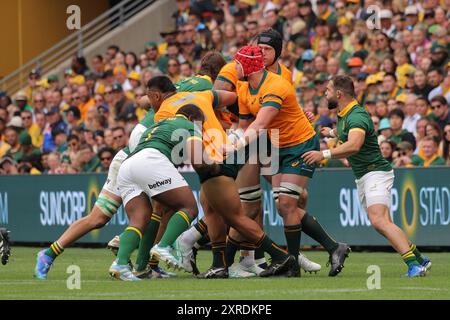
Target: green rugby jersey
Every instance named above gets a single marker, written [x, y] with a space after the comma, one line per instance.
[368, 158]
[168, 133]
[146, 122]
[194, 83]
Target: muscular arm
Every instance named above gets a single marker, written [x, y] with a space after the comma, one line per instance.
[263, 119]
[223, 85]
[225, 98]
[351, 146]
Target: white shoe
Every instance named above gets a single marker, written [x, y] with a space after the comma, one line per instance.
[165, 254]
[122, 272]
[183, 255]
[236, 271]
[113, 245]
[308, 265]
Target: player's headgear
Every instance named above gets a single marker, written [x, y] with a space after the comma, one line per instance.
[272, 38]
[250, 58]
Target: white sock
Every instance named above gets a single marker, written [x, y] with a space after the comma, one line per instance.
[190, 237]
[247, 258]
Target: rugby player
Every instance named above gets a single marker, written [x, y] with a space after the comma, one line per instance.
[267, 101]
[107, 204]
[374, 175]
[139, 184]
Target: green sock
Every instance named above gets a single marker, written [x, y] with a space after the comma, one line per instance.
[129, 240]
[293, 235]
[267, 245]
[312, 228]
[179, 223]
[147, 241]
[409, 258]
[218, 251]
[416, 252]
[54, 250]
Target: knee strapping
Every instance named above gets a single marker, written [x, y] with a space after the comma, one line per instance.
[107, 205]
[250, 194]
[291, 190]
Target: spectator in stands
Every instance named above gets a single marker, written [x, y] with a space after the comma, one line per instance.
[60, 137]
[422, 106]
[32, 128]
[54, 164]
[421, 127]
[396, 119]
[411, 117]
[387, 148]
[123, 106]
[173, 70]
[12, 139]
[108, 138]
[430, 146]
[406, 156]
[435, 80]
[98, 65]
[132, 63]
[85, 100]
[8, 166]
[89, 162]
[440, 109]
[186, 70]
[21, 100]
[120, 138]
[54, 122]
[73, 118]
[155, 60]
[33, 78]
[26, 148]
[105, 155]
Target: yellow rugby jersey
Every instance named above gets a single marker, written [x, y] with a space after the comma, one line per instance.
[275, 91]
[213, 134]
[228, 73]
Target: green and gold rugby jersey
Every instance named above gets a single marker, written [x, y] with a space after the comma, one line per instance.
[368, 158]
[168, 133]
[136, 134]
[194, 83]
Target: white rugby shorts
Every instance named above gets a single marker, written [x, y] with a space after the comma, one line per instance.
[375, 188]
[147, 171]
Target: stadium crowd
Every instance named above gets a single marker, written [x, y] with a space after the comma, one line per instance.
[397, 56]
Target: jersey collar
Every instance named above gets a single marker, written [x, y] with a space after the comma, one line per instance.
[344, 111]
[206, 77]
[255, 91]
[181, 116]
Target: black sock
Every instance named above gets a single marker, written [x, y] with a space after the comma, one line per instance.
[313, 229]
[202, 228]
[267, 245]
[230, 250]
[204, 240]
[293, 235]
[218, 251]
[259, 254]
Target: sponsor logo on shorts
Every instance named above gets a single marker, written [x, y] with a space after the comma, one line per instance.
[160, 183]
[295, 163]
[126, 194]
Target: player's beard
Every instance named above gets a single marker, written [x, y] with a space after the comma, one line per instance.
[332, 104]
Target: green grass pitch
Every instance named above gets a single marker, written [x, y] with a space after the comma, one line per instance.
[17, 282]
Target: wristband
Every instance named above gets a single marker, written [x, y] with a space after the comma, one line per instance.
[326, 154]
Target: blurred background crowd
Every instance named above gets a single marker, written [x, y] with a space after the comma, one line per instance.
[397, 55]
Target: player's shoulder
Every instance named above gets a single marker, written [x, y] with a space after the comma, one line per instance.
[275, 82]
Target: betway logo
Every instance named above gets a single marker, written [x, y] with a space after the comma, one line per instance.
[160, 183]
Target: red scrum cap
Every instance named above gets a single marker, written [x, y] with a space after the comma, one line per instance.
[250, 58]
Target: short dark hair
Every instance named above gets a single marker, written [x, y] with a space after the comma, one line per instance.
[118, 128]
[397, 113]
[73, 137]
[193, 111]
[161, 83]
[440, 99]
[211, 64]
[390, 74]
[436, 69]
[345, 84]
[106, 149]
